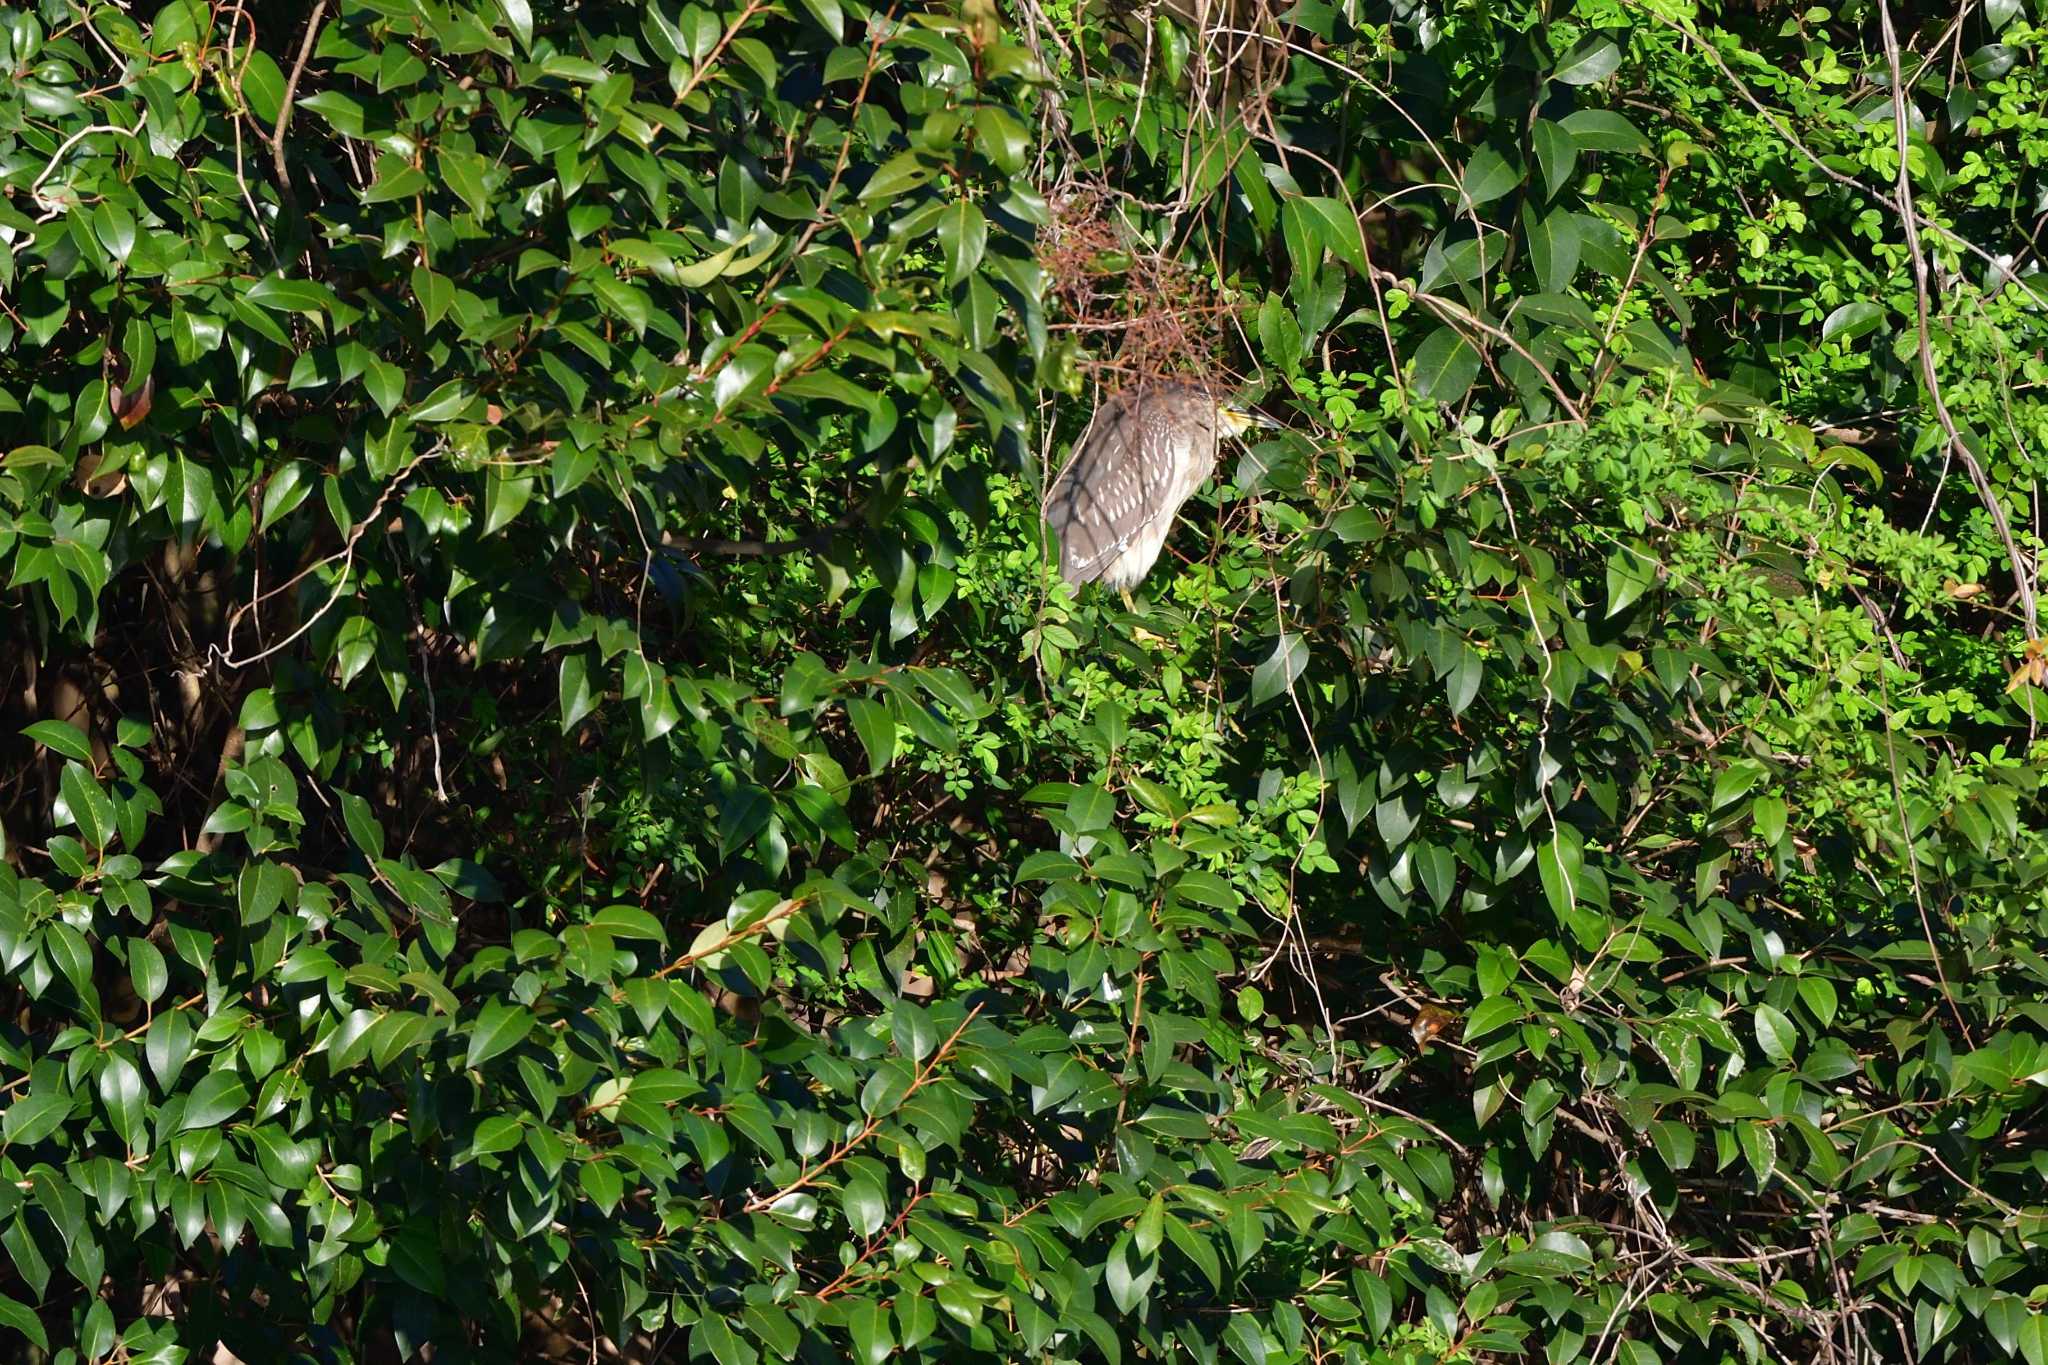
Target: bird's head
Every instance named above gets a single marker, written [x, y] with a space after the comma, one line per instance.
[1236, 421]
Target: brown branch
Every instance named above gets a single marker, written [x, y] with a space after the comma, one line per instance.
[844, 1149]
[2022, 573]
[691, 959]
[711, 58]
[291, 90]
[812, 543]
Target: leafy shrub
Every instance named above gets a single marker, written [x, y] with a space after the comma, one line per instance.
[552, 804]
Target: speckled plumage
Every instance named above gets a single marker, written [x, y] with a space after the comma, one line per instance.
[1144, 453]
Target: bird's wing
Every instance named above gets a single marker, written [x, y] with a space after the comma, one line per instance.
[1104, 496]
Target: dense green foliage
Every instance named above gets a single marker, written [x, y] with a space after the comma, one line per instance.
[553, 805]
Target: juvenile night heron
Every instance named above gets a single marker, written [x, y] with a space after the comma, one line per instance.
[1144, 453]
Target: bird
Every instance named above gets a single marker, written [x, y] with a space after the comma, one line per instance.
[1145, 451]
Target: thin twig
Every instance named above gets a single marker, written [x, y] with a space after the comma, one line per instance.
[2022, 573]
[291, 90]
[844, 1149]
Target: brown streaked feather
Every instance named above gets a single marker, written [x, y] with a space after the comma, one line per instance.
[1126, 473]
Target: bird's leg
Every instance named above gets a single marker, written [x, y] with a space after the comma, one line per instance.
[1129, 605]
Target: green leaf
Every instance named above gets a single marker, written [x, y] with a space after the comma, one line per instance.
[147, 971]
[88, 804]
[963, 236]
[739, 375]
[1630, 573]
[866, 1207]
[1553, 240]
[1592, 61]
[1857, 318]
[416, 1257]
[498, 1029]
[1776, 1034]
[1559, 863]
[282, 295]
[1128, 1274]
[1557, 153]
[122, 1092]
[2006, 1316]
[829, 18]
[1151, 1226]
[1445, 364]
[519, 15]
[34, 1115]
[1277, 673]
[1492, 1014]
[217, 1096]
[444, 404]
[61, 738]
[363, 827]
[1760, 1149]
[1488, 176]
[506, 493]
[1244, 1338]
[877, 731]
[868, 1323]
[23, 1320]
[385, 383]
[629, 922]
[1735, 781]
[1770, 814]
[1603, 130]
[262, 83]
[435, 293]
[1819, 995]
[711, 1334]
[573, 684]
[498, 1133]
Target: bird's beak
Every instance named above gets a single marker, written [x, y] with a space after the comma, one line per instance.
[1243, 419]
